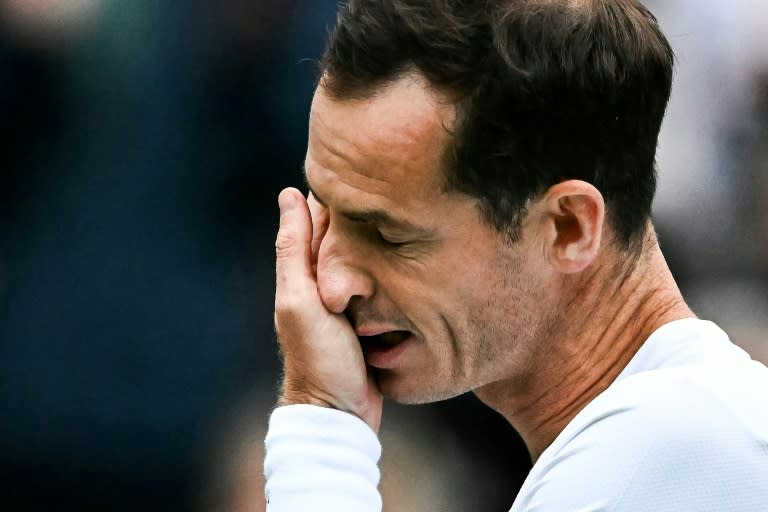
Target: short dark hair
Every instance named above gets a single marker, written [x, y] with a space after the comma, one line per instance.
[545, 90]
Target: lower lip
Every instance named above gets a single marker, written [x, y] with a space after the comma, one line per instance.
[386, 358]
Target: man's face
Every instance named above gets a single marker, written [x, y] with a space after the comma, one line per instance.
[461, 303]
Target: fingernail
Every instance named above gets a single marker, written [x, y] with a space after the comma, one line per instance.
[286, 201]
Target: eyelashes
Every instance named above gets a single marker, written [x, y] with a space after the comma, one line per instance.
[386, 241]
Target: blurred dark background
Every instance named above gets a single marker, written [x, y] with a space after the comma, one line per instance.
[143, 147]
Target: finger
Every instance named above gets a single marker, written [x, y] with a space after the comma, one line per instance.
[320, 220]
[294, 265]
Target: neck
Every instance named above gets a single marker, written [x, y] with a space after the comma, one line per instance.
[604, 323]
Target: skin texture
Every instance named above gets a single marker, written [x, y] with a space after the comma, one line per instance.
[537, 328]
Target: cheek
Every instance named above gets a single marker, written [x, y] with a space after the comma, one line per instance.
[497, 297]
[460, 282]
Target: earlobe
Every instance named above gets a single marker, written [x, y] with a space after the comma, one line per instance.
[576, 210]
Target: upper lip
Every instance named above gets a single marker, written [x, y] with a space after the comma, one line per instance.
[374, 331]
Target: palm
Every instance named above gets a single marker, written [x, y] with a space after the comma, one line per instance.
[323, 359]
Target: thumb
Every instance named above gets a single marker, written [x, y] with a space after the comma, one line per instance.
[293, 244]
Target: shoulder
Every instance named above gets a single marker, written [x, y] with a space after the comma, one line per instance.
[660, 440]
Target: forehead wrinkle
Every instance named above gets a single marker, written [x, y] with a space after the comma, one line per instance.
[336, 168]
[336, 193]
[330, 143]
[400, 132]
[376, 153]
[407, 136]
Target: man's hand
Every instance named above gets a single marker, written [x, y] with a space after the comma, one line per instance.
[322, 358]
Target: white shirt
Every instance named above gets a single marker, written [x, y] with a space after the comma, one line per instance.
[683, 428]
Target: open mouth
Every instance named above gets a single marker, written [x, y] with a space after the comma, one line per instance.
[384, 340]
[382, 349]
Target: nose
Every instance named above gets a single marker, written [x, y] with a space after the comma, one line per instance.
[342, 275]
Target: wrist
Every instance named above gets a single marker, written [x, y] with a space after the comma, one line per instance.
[287, 398]
[298, 391]
[299, 398]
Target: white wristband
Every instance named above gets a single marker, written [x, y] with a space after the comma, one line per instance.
[321, 459]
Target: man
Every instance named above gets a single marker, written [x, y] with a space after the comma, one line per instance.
[481, 177]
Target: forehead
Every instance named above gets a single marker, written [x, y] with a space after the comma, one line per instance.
[395, 138]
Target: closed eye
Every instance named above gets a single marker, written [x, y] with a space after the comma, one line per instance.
[389, 242]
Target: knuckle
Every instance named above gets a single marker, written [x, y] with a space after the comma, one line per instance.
[287, 306]
[286, 243]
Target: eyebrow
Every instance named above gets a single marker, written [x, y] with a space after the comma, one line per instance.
[376, 216]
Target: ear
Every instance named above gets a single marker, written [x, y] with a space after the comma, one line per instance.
[574, 212]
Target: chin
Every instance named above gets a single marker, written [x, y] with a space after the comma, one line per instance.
[416, 391]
